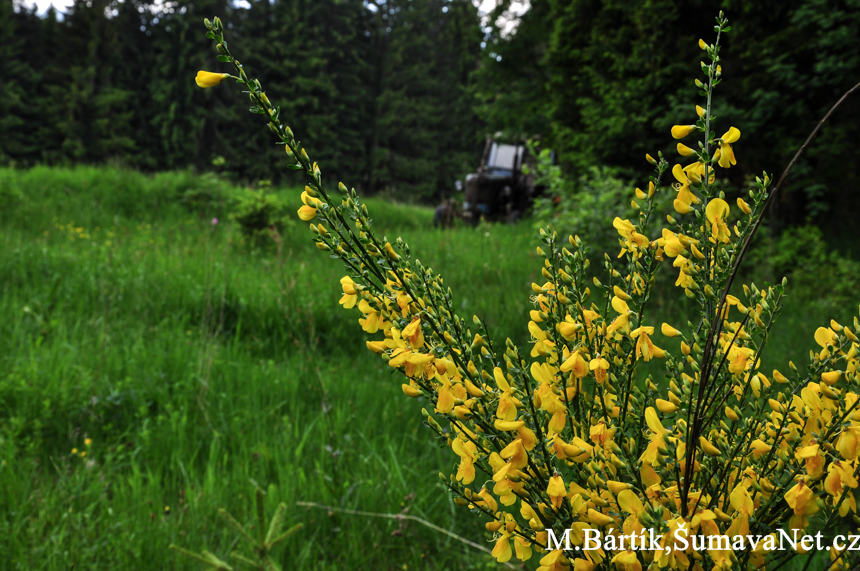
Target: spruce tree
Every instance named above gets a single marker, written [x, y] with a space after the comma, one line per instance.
[14, 73]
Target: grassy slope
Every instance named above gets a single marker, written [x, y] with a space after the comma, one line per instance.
[199, 366]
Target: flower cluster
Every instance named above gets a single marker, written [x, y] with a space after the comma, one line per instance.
[570, 434]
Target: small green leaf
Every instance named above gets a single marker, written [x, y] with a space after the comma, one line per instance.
[294, 167]
[223, 58]
[254, 109]
[210, 35]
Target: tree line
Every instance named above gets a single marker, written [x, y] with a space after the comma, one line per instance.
[606, 80]
[379, 91]
[398, 95]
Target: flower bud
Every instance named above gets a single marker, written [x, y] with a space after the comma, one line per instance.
[681, 131]
[684, 150]
[206, 79]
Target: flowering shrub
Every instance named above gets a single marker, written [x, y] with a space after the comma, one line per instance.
[569, 435]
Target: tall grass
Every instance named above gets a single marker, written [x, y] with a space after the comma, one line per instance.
[202, 366]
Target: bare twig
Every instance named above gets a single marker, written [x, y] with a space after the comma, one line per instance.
[782, 178]
[706, 357]
[401, 517]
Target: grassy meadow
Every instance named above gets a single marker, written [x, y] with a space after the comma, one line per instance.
[199, 365]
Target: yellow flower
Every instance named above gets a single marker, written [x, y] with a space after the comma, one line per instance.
[626, 561]
[507, 409]
[622, 322]
[523, 548]
[644, 347]
[671, 243]
[502, 550]
[411, 390]
[489, 501]
[759, 448]
[840, 474]
[669, 331]
[87, 441]
[684, 150]
[848, 444]
[681, 207]
[657, 437]
[207, 79]
[576, 364]
[556, 491]
[598, 518]
[681, 131]
[801, 499]
[309, 210]
[717, 212]
[742, 502]
[665, 406]
[468, 453]
[599, 365]
[633, 240]
[824, 336]
[307, 213]
[727, 155]
[350, 294]
[685, 195]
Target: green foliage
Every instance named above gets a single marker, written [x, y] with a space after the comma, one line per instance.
[512, 86]
[585, 206]
[205, 194]
[13, 72]
[608, 79]
[195, 363]
[382, 86]
[425, 133]
[818, 274]
[261, 546]
[260, 212]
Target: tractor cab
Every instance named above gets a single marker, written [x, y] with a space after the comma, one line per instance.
[499, 191]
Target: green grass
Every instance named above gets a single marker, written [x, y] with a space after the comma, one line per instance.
[202, 366]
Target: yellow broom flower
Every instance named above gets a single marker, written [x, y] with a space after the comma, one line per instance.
[727, 155]
[681, 131]
[206, 79]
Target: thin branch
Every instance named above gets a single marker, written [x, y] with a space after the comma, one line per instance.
[717, 323]
[401, 517]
